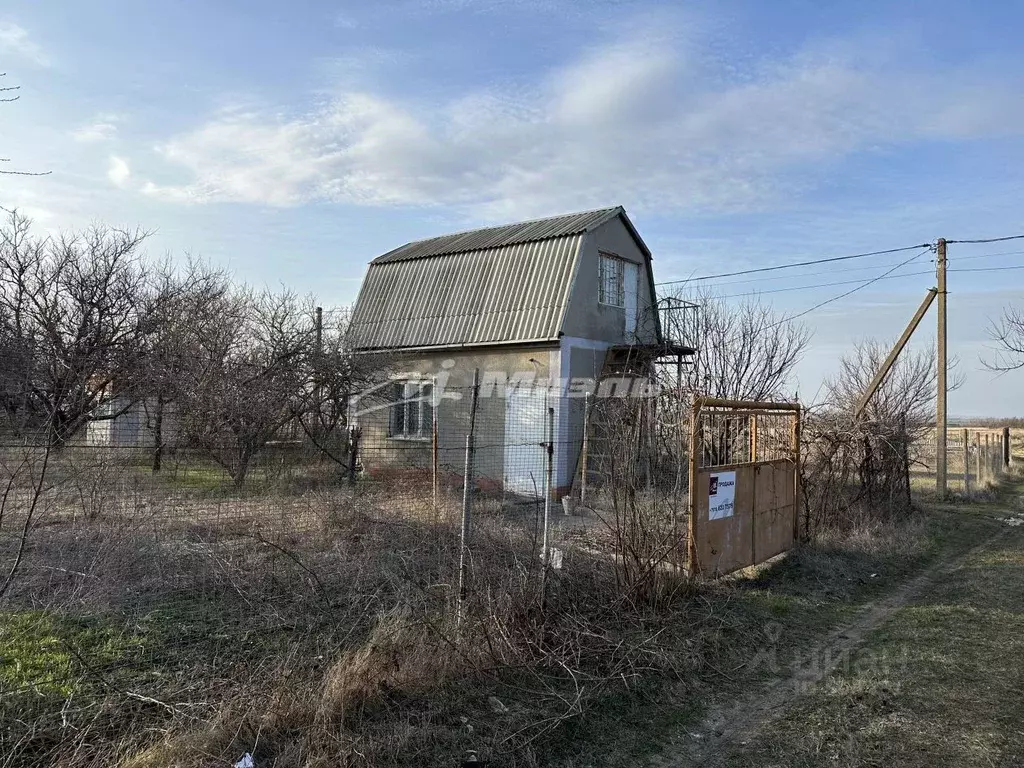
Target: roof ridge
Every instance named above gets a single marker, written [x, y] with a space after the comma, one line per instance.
[530, 230]
[523, 223]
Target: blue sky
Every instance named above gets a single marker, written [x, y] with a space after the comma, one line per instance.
[294, 142]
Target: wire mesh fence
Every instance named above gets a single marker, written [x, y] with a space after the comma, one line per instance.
[150, 587]
[976, 457]
[260, 594]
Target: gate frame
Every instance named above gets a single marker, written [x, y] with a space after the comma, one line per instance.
[701, 403]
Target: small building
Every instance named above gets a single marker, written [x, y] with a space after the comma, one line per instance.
[133, 424]
[547, 311]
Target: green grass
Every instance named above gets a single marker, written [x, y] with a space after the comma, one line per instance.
[748, 629]
[705, 651]
[41, 653]
[938, 683]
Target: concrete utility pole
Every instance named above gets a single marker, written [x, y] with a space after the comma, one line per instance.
[894, 354]
[940, 400]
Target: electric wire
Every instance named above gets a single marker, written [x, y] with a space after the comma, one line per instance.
[798, 264]
[859, 269]
[800, 275]
[825, 285]
[987, 269]
[843, 295]
[988, 239]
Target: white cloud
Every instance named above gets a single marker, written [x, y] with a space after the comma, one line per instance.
[344, 21]
[15, 40]
[635, 122]
[101, 128]
[118, 171]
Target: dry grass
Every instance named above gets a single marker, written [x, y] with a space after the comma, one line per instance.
[316, 627]
[308, 628]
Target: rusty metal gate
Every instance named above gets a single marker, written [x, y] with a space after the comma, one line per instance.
[744, 483]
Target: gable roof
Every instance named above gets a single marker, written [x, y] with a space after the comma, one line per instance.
[508, 234]
[498, 285]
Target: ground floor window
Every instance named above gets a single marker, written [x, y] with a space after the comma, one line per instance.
[412, 409]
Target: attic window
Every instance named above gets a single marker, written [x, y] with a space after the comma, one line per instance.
[412, 410]
[611, 280]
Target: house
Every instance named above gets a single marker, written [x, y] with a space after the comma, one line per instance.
[134, 424]
[546, 311]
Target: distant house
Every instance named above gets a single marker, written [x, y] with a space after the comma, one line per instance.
[134, 424]
[558, 301]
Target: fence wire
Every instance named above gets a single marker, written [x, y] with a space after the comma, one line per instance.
[976, 457]
[149, 582]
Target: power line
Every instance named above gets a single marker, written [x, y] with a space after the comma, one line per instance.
[800, 264]
[800, 275]
[851, 282]
[863, 285]
[989, 239]
[989, 255]
[986, 269]
[851, 269]
[828, 285]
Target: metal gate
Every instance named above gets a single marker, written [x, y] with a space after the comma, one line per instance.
[744, 483]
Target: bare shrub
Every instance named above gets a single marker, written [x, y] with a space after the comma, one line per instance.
[857, 469]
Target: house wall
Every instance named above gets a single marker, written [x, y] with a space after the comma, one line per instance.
[384, 455]
[135, 427]
[585, 317]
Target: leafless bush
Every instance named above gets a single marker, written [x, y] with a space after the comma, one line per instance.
[313, 629]
[857, 469]
[639, 497]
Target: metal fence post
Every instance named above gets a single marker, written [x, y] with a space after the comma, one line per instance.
[549, 488]
[967, 460]
[433, 450]
[796, 480]
[977, 460]
[693, 529]
[467, 495]
[584, 459]
[353, 453]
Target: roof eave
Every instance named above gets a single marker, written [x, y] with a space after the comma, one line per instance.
[544, 341]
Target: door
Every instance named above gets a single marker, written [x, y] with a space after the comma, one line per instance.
[525, 434]
[630, 290]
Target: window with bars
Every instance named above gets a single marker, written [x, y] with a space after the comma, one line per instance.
[412, 410]
[611, 281]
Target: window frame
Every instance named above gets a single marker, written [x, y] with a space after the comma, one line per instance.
[412, 399]
[604, 258]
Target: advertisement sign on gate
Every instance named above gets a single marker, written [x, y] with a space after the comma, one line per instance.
[722, 495]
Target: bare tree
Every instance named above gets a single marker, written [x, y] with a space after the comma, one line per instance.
[745, 351]
[7, 94]
[244, 376]
[334, 374]
[1008, 335]
[859, 468]
[182, 299]
[73, 323]
[907, 395]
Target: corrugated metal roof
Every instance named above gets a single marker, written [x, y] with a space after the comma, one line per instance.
[509, 234]
[491, 294]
